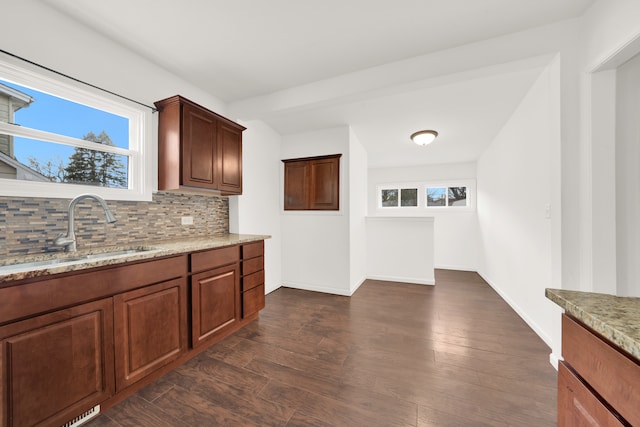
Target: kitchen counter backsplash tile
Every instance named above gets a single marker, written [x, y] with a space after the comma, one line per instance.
[29, 225]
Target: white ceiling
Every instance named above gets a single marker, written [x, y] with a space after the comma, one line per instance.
[254, 54]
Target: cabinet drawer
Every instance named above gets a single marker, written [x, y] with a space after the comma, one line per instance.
[253, 280]
[252, 265]
[213, 258]
[612, 374]
[252, 301]
[577, 405]
[252, 250]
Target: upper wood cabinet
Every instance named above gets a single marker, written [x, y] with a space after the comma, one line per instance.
[312, 183]
[197, 148]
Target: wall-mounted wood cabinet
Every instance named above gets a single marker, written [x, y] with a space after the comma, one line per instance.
[312, 183]
[197, 148]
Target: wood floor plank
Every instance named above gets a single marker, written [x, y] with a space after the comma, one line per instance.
[393, 354]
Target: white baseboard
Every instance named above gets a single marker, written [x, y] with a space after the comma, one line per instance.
[455, 268]
[358, 284]
[519, 311]
[553, 359]
[413, 280]
[316, 288]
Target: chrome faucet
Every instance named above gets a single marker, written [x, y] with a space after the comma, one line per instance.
[69, 241]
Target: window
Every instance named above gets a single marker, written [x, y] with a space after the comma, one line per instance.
[408, 197]
[446, 196]
[59, 140]
[432, 197]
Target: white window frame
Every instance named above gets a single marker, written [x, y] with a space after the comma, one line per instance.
[140, 151]
[422, 207]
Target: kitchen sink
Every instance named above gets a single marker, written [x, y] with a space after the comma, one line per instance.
[61, 261]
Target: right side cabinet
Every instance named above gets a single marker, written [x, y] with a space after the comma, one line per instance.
[252, 278]
[312, 183]
[598, 385]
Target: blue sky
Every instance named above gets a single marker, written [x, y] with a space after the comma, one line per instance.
[64, 117]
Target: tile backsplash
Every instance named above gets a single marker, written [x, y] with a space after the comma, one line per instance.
[29, 225]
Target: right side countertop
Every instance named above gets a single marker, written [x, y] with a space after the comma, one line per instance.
[615, 318]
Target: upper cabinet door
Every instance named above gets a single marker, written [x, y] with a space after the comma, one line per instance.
[199, 148]
[296, 185]
[324, 177]
[230, 159]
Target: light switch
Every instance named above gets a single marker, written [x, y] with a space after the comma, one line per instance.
[187, 220]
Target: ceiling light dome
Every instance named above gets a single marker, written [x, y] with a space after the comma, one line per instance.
[424, 137]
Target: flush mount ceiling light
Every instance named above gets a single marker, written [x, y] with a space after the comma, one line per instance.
[424, 137]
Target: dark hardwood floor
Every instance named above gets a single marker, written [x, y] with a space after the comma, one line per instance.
[393, 354]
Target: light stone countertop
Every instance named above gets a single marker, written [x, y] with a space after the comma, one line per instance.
[10, 272]
[615, 318]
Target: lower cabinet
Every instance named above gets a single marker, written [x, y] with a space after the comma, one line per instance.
[598, 384]
[70, 342]
[150, 329]
[57, 365]
[215, 302]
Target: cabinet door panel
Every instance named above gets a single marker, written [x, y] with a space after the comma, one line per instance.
[150, 330]
[324, 185]
[199, 148]
[230, 159]
[58, 365]
[296, 183]
[578, 406]
[215, 301]
[253, 301]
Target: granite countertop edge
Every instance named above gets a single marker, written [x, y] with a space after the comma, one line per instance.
[151, 250]
[615, 318]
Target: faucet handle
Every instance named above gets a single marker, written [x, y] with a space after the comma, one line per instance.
[63, 240]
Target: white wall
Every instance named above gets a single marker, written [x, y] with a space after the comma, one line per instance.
[514, 190]
[400, 249]
[627, 195]
[357, 212]
[65, 45]
[257, 210]
[455, 233]
[315, 244]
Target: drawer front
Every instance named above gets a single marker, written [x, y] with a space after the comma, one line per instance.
[213, 258]
[252, 265]
[252, 301]
[577, 405]
[252, 280]
[613, 375]
[252, 250]
[65, 290]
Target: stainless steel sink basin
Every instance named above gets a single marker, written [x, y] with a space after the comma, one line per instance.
[116, 253]
[69, 260]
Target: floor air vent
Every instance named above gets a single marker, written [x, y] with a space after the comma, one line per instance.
[83, 418]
